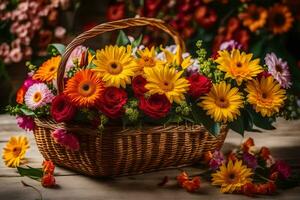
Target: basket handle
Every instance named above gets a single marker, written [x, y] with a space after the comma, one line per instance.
[111, 26]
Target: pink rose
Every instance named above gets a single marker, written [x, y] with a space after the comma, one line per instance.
[60, 32]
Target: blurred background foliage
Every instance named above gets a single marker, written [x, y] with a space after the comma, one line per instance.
[28, 27]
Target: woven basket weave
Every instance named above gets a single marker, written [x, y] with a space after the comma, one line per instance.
[117, 151]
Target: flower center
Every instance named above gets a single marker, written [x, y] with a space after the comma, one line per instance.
[115, 68]
[279, 19]
[86, 89]
[16, 151]
[278, 68]
[52, 69]
[148, 61]
[231, 177]
[255, 16]
[222, 102]
[239, 64]
[264, 95]
[166, 86]
[37, 97]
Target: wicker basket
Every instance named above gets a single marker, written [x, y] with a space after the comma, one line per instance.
[117, 151]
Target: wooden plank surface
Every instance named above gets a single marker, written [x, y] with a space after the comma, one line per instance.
[284, 143]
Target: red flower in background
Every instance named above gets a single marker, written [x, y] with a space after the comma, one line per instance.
[112, 102]
[233, 31]
[115, 11]
[138, 86]
[283, 169]
[205, 16]
[199, 85]
[156, 106]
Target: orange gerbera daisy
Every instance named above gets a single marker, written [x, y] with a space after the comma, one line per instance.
[48, 70]
[280, 19]
[84, 89]
[254, 18]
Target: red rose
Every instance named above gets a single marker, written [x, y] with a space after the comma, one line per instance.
[199, 85]
[112, 102]
[48, 180]
[138, 86]
[156, 106]
[62, 110]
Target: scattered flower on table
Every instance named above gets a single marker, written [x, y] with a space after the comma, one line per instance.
[15, 150]
[190, 185]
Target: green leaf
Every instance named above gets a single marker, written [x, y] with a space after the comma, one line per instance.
[248, 122]
[27, 112]
[200, 117]
[238, 125]
[56, 48]
[137, 42]
[122, 39]
[33, 173]
[260, 121]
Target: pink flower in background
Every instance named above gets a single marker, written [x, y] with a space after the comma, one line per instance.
[68, 140]
[4, 49]
[25, 122]
[16, 55]
[75, 55]
[279, 70]
[38, 95]
[230, 45]
[60, 32]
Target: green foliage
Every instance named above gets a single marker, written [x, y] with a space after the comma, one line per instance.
[259, 120]
[56, 49]
[137, 41]
[200, 117]
[33, 173]
[207, 65]
[122, 39]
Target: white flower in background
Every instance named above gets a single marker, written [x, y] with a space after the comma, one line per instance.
[38, 95]
[279, 70]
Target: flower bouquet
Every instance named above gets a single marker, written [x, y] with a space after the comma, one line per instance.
[128, 109]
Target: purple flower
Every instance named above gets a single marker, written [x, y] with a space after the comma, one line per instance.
[230, 45]
[282, 168]
[279, 70]
[250, 160]
[25, 122]
[216, 160]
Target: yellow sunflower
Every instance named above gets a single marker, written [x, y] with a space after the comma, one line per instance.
[48, 70]
[266, 95]
[115, 65]
[14, 151]
[232, 176]
[176, 59]
[147, 58]
[222, 103]
[84, 89]
[280, 19]
[254, 18]
[238, 66]
[166, 80]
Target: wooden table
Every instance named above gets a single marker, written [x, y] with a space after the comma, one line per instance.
[283, 142]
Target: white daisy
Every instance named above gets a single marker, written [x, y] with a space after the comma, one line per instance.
[38, 95]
